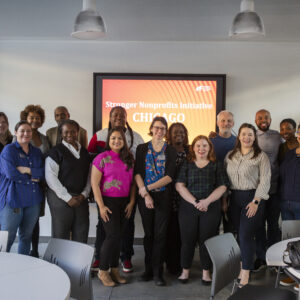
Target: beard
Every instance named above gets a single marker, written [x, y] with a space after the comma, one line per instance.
[263, 128]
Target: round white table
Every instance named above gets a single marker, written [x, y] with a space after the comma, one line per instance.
[274, 257]
[275, 253]
[28, 278]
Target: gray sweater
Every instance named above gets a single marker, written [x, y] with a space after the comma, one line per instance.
[269, 141]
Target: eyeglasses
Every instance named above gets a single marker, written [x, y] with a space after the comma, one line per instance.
[159, 128]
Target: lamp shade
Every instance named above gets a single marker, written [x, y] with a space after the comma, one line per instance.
[89, 24]
[247, 23]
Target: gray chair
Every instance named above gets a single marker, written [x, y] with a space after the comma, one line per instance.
[225, 255]
[75, 259]
[3, 240]
[290, 229]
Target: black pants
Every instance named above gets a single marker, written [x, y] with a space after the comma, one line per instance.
[35, 237]
[173, 244]
[36, 231]
[246, 227]
[197, 226]
[155, 224]
[68, 222]
[127, 238]
[266, 238]
[110, 250]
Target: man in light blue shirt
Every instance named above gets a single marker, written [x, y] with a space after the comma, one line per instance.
[224, 142]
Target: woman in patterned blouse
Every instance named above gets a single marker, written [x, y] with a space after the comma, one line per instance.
[249, 172]
[114, 191]
[201, 183]
[154, 171]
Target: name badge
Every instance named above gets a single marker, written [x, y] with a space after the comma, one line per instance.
[22, 155]
[161, 157]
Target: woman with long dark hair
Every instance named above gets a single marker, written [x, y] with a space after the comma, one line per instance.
[117, 117]
[5, 135]
[201, 183]
[154, 171]
[177, 136]
[249, 172]
[114, 192]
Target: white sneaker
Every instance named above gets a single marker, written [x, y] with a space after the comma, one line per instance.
[296, 287]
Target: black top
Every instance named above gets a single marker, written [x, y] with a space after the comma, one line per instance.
[181, 157]
[140, 163]
[290, 177]
[201, 182]
[73, 173]
[9, 140]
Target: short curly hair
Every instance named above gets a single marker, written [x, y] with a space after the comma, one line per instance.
[33, 108]
[169, 134]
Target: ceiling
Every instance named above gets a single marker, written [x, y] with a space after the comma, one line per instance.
[146, 20]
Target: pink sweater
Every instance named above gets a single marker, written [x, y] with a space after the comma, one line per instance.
[116, 180]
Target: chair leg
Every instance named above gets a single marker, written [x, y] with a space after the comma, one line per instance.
[235, 285]
[277, 277]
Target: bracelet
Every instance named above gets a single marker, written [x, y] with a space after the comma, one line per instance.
[147, 190]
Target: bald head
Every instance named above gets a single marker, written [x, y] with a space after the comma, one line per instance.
[61, 114]
[263, 119]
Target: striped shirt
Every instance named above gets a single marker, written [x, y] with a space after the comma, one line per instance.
[247, 173]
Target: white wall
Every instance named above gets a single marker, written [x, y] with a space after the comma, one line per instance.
[52, 73]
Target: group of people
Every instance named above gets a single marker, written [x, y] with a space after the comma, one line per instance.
[183, 192]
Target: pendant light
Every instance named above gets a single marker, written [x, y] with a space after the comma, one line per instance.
[247, 23]
[89, 25]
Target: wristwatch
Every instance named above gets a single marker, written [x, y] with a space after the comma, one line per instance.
[255, 201]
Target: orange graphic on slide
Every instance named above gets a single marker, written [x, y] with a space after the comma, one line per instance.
[191, 102]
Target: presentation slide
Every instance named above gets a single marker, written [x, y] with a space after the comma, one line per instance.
[190, 102]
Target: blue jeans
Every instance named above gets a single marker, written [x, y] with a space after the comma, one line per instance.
[290, 210]
[24, 219]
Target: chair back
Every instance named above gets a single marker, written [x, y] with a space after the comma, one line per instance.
[75, 259]
[225, 255]
[3, 240]
[290, 229]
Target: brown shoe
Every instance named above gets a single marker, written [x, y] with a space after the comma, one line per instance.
[105, 278]
[287, 281]
[116, 277]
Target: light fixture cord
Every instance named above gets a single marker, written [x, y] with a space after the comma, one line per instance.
[247, 5]
[89, 5]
